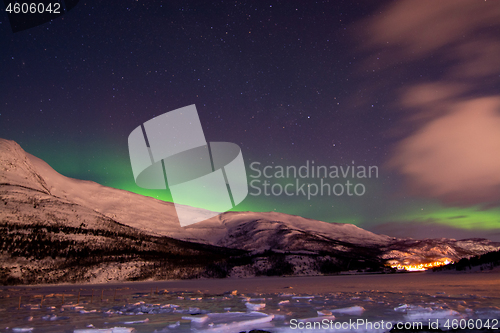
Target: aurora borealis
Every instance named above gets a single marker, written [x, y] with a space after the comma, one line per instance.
[409, 86]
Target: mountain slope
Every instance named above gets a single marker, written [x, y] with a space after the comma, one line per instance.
[145, 213]
[56, 228]
[271, 230]
[48, 238]
[159, 218]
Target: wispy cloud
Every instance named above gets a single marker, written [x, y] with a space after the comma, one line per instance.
[418, 29]
[456, 157]
[451, 149]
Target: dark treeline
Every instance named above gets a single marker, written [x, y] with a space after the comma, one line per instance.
[60, 253]
[484, 262]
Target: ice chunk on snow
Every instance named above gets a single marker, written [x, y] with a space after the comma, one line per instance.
[53, 317]
[169, 306]
[195, 319]
[231, 322]
[253, 306]
[487, 313]
[314, 319]
[106, 330]
[403, 307]
[136, 322]
[177, 324]
[424, 314]
[279, 317]
[324, 313]
[353, 310]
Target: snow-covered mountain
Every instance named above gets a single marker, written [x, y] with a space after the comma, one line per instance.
[85, 217]
[23, 173]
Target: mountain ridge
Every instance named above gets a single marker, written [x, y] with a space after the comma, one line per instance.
[155, 216]
[75, 223]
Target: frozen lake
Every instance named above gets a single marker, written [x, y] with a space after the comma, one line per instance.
[288, 304]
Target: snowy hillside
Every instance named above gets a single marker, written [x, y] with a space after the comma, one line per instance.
[159, 217]
[59, 225]
[271, 230]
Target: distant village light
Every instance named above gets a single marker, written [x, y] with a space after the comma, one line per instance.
[422, 266]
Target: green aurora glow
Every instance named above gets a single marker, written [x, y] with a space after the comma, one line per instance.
[113, 169]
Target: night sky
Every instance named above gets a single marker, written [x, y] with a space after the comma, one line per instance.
[412, 87]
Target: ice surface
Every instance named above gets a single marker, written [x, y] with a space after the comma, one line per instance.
[253, 306]
[107, 330]
[324, 313]
[235, 321]
[353, 310]
[211, 313]
[424, 314]
[403, 307]
[320, 318]
[136, 322]
[195, 319]
[53, 317]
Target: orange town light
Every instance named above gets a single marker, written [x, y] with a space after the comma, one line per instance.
[422, 266]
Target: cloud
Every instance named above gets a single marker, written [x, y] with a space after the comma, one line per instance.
[478, 58]
[458, 39]
[418, 28]
[443, 57]
[455, 157]
[430, 100]
[427, 94]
